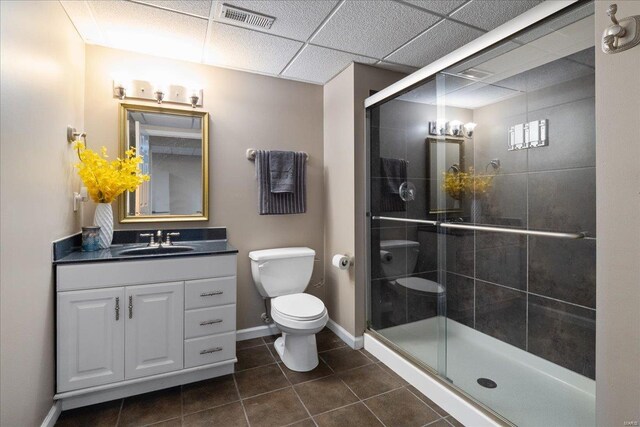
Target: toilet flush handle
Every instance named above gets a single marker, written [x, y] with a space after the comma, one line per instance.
[263, 264]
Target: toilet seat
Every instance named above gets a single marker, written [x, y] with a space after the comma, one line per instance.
[299, 307]
[421, 285]
[299, 313]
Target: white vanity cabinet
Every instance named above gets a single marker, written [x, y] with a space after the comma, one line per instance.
[128, 327]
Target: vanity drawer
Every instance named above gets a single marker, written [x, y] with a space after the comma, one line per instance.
[210, 349]
[210, 292]
[208, 321]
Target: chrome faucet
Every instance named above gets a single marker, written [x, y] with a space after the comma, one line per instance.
[157, 242]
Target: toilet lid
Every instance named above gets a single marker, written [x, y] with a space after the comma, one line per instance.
[422, 285]
[299, 306]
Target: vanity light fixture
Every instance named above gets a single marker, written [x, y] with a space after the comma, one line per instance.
[120, 91]
[160, 92]
[454, 128]
[159, 95]
[194, 100]
[468, 129]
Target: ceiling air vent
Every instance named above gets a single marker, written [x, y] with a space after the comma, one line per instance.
[247, 17]
[475, 73]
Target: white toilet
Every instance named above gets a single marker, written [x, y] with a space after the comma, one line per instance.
[283, 274]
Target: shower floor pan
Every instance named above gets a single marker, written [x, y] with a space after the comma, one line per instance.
[530, 391]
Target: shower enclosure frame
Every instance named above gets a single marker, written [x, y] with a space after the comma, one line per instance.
[533, 17]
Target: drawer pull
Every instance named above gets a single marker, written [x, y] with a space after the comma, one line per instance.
[211, 350]
[211, 294]
[210, 322]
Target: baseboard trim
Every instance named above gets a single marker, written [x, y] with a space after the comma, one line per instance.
[257, 332]
[53, 415]
[355, 343]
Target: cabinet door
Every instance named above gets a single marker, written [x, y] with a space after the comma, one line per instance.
[90, 338]
[154, 329]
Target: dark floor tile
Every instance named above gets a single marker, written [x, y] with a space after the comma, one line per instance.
[174, 422]
[322, 370]
[344, 358]
[327, 340]
[260, 380]
[270, 338]
[324, 394]
[274, 352]
[277, 408]
[392, 373]
[304, 423]
[563, 269]
[454, 422]
[100, 415]
[563, 333]
[352, 415]
[369, 380]
[369, 355]
[501, 313]
[460, 298]
[440, 423]
[253, 357]
[151, 408]
[433, 405]
[230, 415]
[401, 408]
[209, 393]
[254, 342]
[502, 258]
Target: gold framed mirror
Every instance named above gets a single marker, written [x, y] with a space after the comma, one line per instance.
[174, 146]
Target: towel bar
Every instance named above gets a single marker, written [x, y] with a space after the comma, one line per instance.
[251, 154]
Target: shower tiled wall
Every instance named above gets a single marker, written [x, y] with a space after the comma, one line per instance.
[536, 293]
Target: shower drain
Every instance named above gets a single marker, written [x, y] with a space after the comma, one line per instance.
[486, 382]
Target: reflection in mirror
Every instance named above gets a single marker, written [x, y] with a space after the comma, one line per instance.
[173, 144]
[453, 162]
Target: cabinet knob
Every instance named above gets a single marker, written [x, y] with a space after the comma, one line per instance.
[117, 308]
[210, 294]
[130, 306]
[211, 350]
[210, 322]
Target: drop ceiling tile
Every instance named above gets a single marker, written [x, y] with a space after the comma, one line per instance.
[373, 27]
[396, 67]
[443, 7]
[145, 29]
[194, 7]
[489, 14]
[319, 64]
[82, 18]
[296, 19]
[236, 47]
[440, 40]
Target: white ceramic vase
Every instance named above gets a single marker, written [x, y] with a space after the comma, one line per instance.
[103, 218]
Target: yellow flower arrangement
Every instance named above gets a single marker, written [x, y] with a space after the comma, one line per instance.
[458, 184]
[106, 180]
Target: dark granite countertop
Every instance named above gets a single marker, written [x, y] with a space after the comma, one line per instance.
[114, 253]
[204, 241]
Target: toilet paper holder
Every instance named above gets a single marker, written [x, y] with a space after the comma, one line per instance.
[342, 261]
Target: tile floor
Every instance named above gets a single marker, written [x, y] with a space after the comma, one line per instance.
[348, 388]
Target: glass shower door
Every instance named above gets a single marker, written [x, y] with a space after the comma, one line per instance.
[518, 257]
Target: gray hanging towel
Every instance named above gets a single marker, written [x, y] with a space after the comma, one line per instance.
[271, 203]
[282, 171]
[394, 173]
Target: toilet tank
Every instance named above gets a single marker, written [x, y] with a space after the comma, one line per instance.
[398, 257]
[281, 271]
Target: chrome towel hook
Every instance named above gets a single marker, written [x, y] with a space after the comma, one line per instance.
[622, 34]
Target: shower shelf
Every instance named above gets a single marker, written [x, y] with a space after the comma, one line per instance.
[463, 226]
